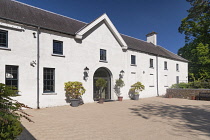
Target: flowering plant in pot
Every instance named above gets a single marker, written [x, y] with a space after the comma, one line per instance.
[74, 90]
[137, 87]
[119, 83]
[101, 84]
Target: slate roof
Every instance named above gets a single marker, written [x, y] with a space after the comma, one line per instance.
[29, 15]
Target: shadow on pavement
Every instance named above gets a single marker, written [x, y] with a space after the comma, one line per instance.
[25, 135]
[185, 116]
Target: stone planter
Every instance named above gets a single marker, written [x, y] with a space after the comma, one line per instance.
[136, 97]
[120, 98]
[75, 102]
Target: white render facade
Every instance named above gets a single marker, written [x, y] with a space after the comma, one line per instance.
[80, 51]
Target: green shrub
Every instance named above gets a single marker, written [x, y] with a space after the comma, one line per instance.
[180, 85]
[137, 87]
[74, 89]
[10, 113]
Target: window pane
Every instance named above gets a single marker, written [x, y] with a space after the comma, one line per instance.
[48, 80]
[133, 59]
[11, 76]
[57, 47]
[3, 38]
[102, 54]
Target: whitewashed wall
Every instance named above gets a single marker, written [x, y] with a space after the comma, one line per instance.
[78, 55]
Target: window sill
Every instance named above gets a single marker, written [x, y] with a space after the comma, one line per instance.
[5, 48]
[165, 86]
[177, 70]
[151, 67]
[58, 55]
[165, 69]
[134, 65]
[104, 61]
[49, 93]
[151, 86]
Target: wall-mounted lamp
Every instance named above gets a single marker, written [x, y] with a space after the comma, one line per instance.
[34, 34]
[86, 71]
[122, 73]
[33, 63]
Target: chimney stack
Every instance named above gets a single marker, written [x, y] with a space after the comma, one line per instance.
[152, 38]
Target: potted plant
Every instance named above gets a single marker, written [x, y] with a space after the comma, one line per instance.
[137, 87]
[119, 83]
[74, 90]
[101, 84]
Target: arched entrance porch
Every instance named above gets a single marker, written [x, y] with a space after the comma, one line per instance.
[105, 74]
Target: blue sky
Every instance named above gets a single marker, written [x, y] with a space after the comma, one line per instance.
[134, 18]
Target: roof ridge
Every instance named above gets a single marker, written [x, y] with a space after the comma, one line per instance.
[48, 11]
[138, 39]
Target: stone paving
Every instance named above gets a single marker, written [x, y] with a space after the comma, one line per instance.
[154, 118]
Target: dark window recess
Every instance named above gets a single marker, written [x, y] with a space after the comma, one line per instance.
[11, 76]
[57, 47]
[49, 80]
[177, 67]
[151, 63]
[177, 79]
[102, 54]
[133, 59]
[3, 38]
[165, 65]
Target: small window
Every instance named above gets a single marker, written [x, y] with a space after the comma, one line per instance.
[177, 79]
[165, 65]
[49, 80]
[177, 67]
[133, 60]
[3, 38]
[102, 54]
[151, 80]
[165, 80]
[57, 47]
[11, 76]
[151, 63]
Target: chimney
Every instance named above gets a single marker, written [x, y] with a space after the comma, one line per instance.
[152, 38]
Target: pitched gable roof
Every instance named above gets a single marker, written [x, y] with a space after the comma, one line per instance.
[29, 15]
[16, 11]
[145, 47]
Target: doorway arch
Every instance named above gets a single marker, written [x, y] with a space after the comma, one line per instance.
[105, 74]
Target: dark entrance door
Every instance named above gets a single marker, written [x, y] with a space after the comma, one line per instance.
[106, 94]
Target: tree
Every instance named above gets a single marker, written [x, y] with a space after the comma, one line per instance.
[196, 27]
[10, 113]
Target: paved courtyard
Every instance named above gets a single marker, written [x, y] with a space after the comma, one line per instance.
[147, 119]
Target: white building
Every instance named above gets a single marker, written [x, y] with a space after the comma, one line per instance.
[40, 50]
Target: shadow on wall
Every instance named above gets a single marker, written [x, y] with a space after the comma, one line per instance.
[25, 135]
[183, 118]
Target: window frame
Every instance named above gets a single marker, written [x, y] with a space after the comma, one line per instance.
[11, 79]
[6, 39]
[44, 80]
[151, 63]
[54, 50]
[165, 65]
[177, 67]
[133, 58]
[103, 55]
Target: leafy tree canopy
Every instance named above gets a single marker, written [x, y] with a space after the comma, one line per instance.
[196, 27]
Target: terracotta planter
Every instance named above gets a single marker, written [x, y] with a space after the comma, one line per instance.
[120, 98]
[101, 101]
[170, 96]
[193, 97]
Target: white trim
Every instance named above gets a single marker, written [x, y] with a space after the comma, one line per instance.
[11, 26]
[109, 24]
